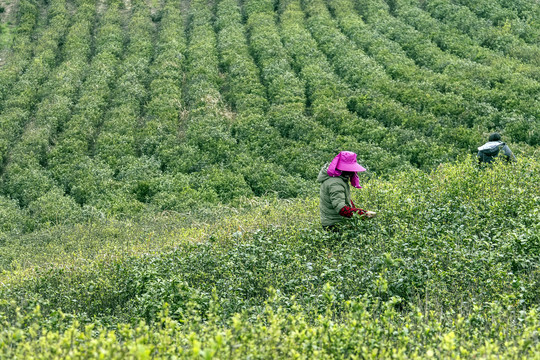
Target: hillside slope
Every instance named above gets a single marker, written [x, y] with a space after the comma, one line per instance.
[128, 109]
[157, 179]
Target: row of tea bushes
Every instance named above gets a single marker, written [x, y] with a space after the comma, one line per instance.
[22, 46]
[453, 40]
[504, 15]
[326, 94]
[25, 177]
[259, 142]
[471, 80]
[464, 19]
[447, 241]
[79, 175]
[365, 329]
[23, 94]
[449, 268]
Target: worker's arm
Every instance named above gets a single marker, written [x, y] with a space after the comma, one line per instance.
[348, 211]
[337, 196]
[508, 153]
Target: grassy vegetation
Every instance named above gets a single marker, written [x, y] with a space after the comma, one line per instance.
[169, 106]
[158, 194]
[5, 36]
[450, 267]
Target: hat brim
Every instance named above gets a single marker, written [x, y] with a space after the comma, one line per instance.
[350, 167]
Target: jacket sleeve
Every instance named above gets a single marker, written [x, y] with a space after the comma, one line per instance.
[508, 153]
[337, 196]
[348, 211]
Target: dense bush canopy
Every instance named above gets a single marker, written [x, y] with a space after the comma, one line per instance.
[157, 178]
[128, 109]
[450, 267]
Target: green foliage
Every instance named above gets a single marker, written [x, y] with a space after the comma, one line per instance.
[125, 106]
[11, 216]
[26, 16]
[54, 208]
[5, 34]
[448, 266]
[158, 165]
[23, 92]
[227, 184]
[280, 333]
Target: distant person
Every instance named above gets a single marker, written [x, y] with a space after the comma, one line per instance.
[336, 203]
[488, 152]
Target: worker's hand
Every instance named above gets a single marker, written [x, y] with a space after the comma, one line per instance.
[371, 214]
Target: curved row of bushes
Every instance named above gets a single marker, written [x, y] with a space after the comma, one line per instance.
[507, 16]
[239, 99]
[114, 145]
[21, 48]
[482, 31]
[327, 95]
[80, 176]
[25, 178]
[449, 38]
[502, 106]
[370, 100]
[526, 9]
[58, 168]
[23, 94]
[259, 143]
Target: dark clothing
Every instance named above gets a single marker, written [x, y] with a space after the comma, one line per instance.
[488, 152]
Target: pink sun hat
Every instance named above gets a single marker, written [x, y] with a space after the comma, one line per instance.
[346, 161]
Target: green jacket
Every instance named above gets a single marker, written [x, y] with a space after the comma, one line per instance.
[335, 194]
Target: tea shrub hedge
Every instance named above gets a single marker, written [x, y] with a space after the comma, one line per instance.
[449, 268]
[157, 179]
[130, 109]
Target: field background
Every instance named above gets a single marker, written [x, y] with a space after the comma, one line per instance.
[157, 178]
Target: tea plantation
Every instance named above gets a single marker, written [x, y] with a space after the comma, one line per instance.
[157, 179]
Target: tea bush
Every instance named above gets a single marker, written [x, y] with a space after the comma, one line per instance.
[25, 178]
[157, 179]
[133, 110]
[79, 175]
[483, 32]
[21, 45]
[418, 46]
[23, 93]
[454, 251]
